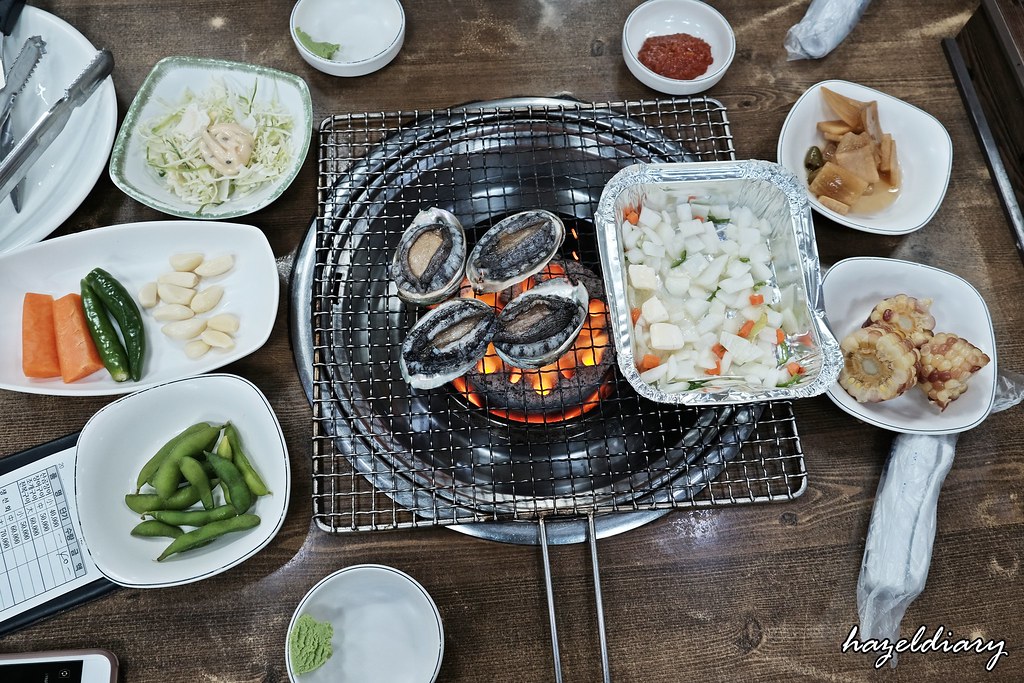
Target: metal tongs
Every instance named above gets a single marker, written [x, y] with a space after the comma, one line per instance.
[16, 165]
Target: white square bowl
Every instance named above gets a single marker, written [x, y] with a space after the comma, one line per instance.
[166, 84]
[119, 439]
[923, 147]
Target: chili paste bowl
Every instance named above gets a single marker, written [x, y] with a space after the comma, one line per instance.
[668, 17]
[119, 440]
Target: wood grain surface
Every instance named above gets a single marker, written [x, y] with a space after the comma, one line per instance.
[762, 593]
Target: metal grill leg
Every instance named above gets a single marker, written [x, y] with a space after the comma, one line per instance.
[599, 601]
[551, 601]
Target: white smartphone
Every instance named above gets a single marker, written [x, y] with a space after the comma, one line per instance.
[60, 666]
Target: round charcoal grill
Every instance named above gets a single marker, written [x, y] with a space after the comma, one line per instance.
[440, 458]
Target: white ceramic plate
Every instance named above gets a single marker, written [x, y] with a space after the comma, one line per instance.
[166, 84]
[137, 253]
[59, 182]
[854, 286]
[923, 146]
[386, 627]
[118, 440]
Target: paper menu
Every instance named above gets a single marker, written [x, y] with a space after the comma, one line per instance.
[42, 554]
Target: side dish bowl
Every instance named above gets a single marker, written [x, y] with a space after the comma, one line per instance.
[369, 35]
[666, 17]
[774, 195]
[118, 440]
[924, 149]
[164, 88]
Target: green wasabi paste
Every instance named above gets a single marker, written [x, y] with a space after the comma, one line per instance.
[320, 48]
[310, 644]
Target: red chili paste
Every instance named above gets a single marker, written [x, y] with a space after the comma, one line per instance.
[679, 56]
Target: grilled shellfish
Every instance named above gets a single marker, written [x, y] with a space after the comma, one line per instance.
[540, 324]
[430, 258]
[514, 249]
[447, 342]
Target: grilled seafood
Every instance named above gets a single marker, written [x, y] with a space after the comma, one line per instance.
[539, 325]
[447, 342]
[430, 258]
[947, 363]
[514, 249]
[908, 314]
[880, 363]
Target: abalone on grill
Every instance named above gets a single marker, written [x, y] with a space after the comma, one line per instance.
[447, 342]
[514, 249]
[430, 258]
[540, 324]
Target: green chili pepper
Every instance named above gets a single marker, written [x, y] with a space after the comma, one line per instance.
[121, 305]
[167, 476]
[194, 472]
[194, 517]
[104, 336]
[232, 480]
[252, 478]
[150, 468]
[203, 535]
[152, 528]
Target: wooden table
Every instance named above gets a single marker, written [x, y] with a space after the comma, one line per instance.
[752, 593]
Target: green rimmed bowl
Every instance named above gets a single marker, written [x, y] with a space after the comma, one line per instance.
[163, 88]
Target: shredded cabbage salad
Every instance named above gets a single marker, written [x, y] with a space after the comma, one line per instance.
[172, 143]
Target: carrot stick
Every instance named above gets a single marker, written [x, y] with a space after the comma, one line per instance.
[795, 369]
[717, 370]
[780, 336]
[38, 339]
[756, 299]
[746, 329]
[75, 348]
[648, 362]
[635, 315]
[718, 350]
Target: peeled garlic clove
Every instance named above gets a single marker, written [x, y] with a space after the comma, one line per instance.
[179, 278]
[184, 329]
[207, 299]
[196, 348]
[168, 312]
[225, 322]
[218, 339]
[186, 262]
[173, 294]
[216, 266]
[148, 296]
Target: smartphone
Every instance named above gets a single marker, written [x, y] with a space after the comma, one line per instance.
[60, 666]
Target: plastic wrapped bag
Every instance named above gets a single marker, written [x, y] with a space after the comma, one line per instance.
[898, 551]
[824, 26]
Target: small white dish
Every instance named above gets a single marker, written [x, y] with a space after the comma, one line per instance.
[119, 439]
[137, 253]
[370, 33]
[924, 150]
[64, 175]
[666, 17]
[164, 87]
[386, 627]
[854, 286]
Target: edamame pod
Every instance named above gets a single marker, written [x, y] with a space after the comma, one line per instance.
[167, 476]
[194, 517]
[104, 336]
[205, 534]
[147, 502]
[196, 475]
[151, 528]
[122, 306]
[239, 494]
[252, 478]
[224, 448]
[150, 468]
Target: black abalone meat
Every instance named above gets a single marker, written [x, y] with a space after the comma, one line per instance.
[447, 342]
[540, 324]
[514, 249]
[430, 258]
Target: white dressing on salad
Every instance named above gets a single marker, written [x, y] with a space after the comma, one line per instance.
[227, 147]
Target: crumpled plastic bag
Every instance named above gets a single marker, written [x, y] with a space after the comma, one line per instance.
[824, 26]
[898, 551]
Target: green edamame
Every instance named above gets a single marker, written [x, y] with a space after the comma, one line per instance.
[252, 478]
[194, 517]
[151, 528]
[232, 480]
[122, 306]
[150, 468]
[192, 470]
[181, 499]
[104, 336]
[224, 448]
[167, 476]
[205, 534]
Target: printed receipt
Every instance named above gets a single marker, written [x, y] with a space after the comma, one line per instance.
[42, 555]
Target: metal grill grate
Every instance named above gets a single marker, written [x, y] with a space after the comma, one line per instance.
[386, 456]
